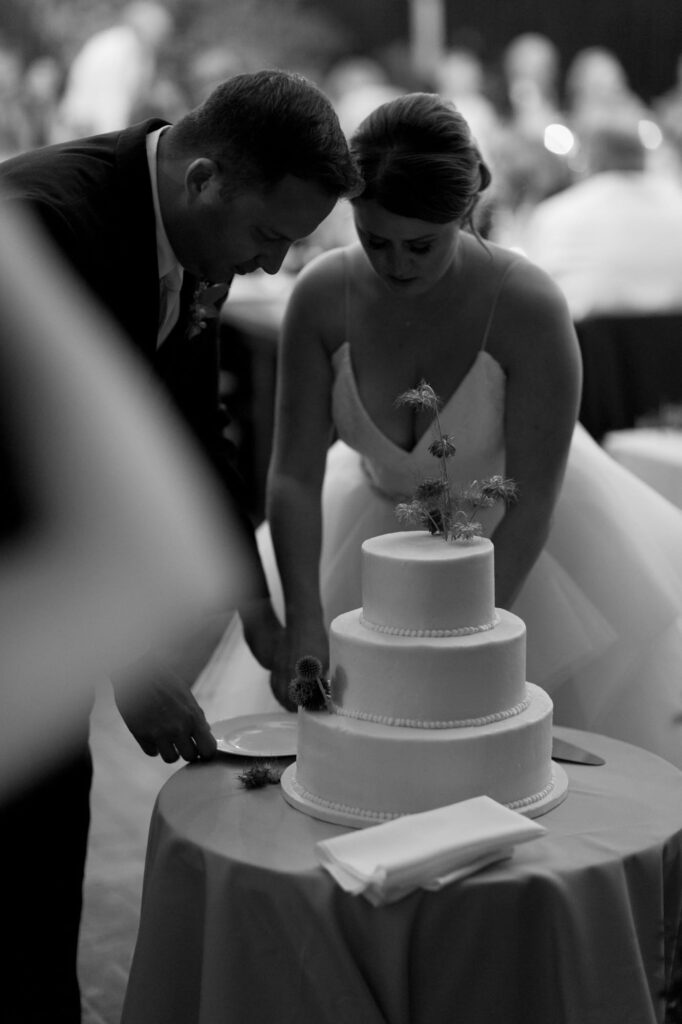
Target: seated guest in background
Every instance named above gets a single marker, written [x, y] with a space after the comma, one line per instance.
[667, 110]
[597, 91]
[155, 220]
[460, 76]
[531, 65]
[613, 240]
[589, 557]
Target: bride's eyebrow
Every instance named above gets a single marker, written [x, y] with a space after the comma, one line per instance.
[410, 241]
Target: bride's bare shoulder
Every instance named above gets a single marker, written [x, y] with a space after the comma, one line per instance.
[325, 274]
[318, 296]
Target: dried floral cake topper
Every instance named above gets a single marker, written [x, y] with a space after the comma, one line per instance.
[308, 689]
[434, 506]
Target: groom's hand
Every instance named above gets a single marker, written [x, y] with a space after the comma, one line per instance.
[155, 699]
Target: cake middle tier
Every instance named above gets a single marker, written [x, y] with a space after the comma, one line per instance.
[436, 682]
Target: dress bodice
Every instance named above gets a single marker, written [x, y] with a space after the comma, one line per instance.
[473, 415]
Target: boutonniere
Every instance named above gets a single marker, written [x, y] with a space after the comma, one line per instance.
[204, 305]
[435, 505]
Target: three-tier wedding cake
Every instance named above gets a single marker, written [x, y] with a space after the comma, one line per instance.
[428, 700]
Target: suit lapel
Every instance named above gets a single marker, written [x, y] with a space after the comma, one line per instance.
[137, 249]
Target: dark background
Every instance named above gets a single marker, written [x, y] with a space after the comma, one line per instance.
[646, 35]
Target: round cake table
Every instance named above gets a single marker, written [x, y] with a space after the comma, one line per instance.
[240, 925]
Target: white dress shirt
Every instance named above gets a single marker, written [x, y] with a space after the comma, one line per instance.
[170, 271]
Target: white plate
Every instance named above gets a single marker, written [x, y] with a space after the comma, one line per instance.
[265, 735]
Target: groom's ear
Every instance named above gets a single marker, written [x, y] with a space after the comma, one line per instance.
[202, 178]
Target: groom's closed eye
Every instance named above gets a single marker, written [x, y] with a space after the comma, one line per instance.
[271, 236]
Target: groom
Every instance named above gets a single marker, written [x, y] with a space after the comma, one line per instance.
[156, 220]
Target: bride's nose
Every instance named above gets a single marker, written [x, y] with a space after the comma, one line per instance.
[397, 262]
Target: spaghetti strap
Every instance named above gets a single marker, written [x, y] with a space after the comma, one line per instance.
[496, 297]
[346, 294]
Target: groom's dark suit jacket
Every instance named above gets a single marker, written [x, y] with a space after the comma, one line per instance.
[93, 196]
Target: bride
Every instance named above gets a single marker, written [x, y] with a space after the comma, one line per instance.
[588, 556]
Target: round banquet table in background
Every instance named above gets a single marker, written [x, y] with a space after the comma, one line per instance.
[240, 925]
[653, 454]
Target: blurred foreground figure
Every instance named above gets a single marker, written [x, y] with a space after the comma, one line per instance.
[112, 538]
[156, 220]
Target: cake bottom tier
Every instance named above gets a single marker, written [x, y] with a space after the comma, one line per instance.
[360, 773]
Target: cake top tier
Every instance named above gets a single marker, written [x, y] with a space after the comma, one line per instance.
[416, 583]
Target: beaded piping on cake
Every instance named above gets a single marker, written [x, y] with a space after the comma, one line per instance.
[406, 631]
[379, 816]
[415, 723]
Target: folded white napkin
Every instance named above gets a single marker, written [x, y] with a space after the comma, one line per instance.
[427, 850]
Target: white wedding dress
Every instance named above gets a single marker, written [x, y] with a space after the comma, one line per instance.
[602, 605]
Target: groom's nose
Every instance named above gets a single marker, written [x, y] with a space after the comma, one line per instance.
[273, 258]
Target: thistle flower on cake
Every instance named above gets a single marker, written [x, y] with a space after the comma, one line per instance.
[308, 689]
[434, 506]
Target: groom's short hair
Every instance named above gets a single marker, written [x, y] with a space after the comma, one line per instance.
[262, 126]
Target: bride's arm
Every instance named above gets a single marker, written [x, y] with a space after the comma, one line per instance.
[535, 341]
[303, 431]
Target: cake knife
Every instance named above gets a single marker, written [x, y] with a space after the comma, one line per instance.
[562, 750]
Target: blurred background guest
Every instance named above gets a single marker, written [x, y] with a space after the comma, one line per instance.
[613, 240]
[113, 72]
[531, 68]
[15, 132]
[461, 77]
[597, 91]
[356, 85]
[667, 110]
[42, 86]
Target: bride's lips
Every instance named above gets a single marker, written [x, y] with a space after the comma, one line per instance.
[401, 282]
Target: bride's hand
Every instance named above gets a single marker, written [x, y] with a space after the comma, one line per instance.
[288, 653]
[263, 631]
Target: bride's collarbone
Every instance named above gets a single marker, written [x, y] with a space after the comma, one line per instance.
[399, 360]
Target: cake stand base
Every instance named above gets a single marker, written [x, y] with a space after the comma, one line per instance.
[297, 798]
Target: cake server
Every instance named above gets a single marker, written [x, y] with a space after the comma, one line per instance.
[562, 750]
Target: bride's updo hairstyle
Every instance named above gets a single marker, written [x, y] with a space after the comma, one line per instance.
[418, 159]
